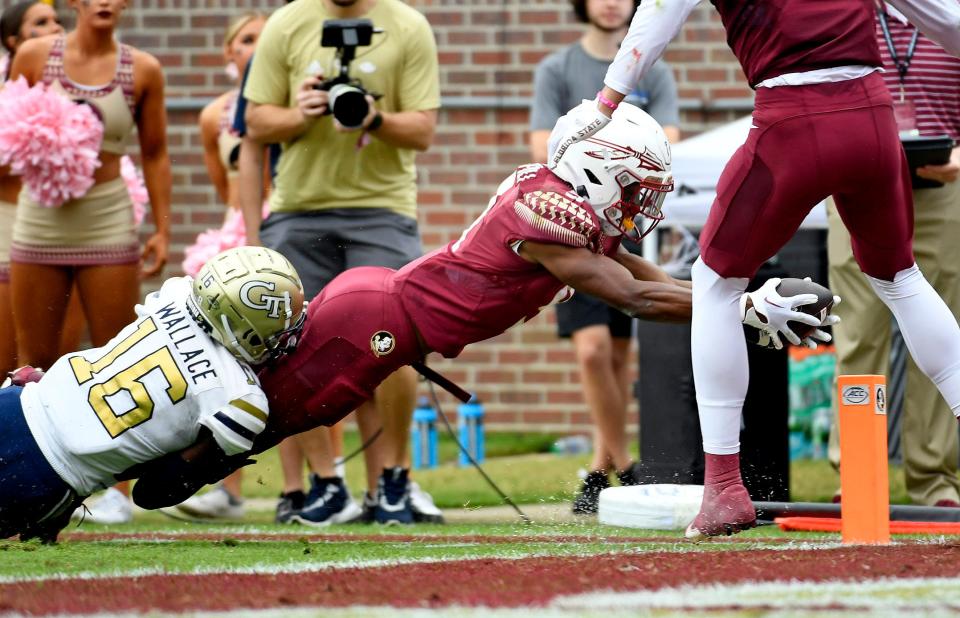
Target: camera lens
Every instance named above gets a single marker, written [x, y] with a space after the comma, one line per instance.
[348, 105]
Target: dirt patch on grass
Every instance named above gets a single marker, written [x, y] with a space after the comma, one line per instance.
[485, 582]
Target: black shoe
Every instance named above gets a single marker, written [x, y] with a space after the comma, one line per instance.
[587, 499]
[393, 497]
[368, 507]
[328, 502]
[628, 476]
[288, 506]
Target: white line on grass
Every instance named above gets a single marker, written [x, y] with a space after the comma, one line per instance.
[901, 595]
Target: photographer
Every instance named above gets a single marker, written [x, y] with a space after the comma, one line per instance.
[346, 197]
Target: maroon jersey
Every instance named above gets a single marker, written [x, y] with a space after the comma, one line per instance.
[774, 37]
[478, 286]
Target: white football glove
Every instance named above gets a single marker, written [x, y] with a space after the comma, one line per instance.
[771, 312]
[578, 124]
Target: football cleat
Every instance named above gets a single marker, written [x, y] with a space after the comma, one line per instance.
[723, 511]
[587, 499]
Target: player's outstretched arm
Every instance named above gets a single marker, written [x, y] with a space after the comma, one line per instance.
[609, 281]
[645, 270]
[653, 26]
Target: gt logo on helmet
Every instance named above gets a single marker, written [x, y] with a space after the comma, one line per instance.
[270, 303]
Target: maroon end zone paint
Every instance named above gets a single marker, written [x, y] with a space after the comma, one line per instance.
[482, 582]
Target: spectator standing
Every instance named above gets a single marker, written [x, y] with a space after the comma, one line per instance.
[925, 83]
[600, 333]
[92, 241]
[347, 197]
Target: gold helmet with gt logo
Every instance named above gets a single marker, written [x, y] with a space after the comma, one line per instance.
[250, 299]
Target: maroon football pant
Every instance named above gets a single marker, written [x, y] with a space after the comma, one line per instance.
[356, 335]
[811, 142]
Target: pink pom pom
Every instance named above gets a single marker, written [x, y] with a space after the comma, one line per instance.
[231, 234]
[135, 187]
[197, 254]
[52, 142]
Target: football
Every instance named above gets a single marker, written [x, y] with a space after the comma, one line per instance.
[820, 309]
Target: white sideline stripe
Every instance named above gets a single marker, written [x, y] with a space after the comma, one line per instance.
[292, 568]
[385, 611]
[679, 546]
[899, 595]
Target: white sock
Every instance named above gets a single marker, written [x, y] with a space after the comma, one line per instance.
[720, 367]
[929, 329]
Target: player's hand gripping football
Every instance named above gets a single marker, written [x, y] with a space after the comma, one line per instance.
[578, 124]
[774, 315]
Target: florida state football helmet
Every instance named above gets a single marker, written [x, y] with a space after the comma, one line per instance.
[623, 171]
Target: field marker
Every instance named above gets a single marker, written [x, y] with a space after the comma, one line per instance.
[864, 483]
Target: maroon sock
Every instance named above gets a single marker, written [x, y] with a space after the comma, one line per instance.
[721, 471]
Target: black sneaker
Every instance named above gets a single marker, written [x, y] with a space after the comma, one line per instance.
[328, 502]
[587, 499]
[628, 477]
[368, 506]
[393, 497]
[288, 506]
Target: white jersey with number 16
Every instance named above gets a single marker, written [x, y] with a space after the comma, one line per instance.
[145, 394]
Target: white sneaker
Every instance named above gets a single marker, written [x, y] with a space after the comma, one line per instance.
[111, 508]
[215, 504]
[421, 503]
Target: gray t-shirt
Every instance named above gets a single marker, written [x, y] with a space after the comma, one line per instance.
[569, 75]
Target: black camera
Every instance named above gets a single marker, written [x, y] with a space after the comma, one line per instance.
[348, 102]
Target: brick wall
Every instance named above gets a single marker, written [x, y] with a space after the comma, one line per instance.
[488, 50]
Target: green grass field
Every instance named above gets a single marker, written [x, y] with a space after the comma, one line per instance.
[559, 565]
[239, 547]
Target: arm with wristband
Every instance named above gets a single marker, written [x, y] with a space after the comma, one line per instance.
[653, 26]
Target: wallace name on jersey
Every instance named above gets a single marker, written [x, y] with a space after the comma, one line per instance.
[177, 324]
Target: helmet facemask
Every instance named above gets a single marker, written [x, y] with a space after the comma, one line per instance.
[271, 348]
[640, 207]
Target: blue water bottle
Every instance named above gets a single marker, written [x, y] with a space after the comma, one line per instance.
[424, 435]
[470, 420]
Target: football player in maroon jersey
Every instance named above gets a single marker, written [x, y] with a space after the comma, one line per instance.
[823, 125]
[544, 234]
